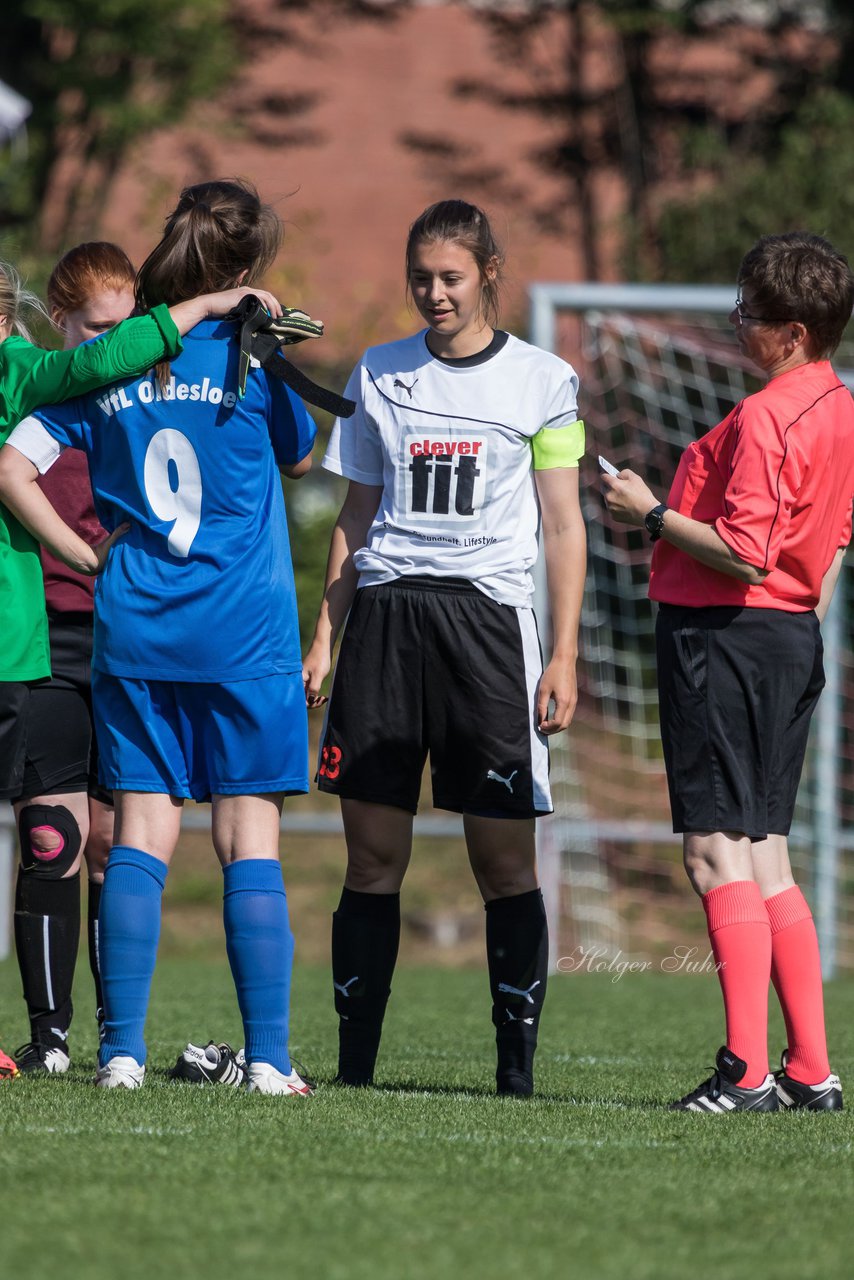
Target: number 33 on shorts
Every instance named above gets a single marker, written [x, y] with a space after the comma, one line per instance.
[173, 487]
[330, 762]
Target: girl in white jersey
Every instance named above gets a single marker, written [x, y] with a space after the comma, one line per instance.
[464, 446]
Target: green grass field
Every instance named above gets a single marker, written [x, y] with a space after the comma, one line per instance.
[428, 1174]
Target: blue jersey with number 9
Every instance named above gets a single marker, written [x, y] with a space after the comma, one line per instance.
[202, 587]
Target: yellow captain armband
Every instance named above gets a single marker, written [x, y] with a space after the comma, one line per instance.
[558, 446]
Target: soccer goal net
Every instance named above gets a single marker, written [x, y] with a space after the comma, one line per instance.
[658, 368]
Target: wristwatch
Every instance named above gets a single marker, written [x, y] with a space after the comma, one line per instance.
[654, 522]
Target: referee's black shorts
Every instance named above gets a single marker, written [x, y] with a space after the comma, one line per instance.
[433, 666]
[736, 689]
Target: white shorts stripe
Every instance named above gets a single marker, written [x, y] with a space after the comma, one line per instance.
[539, 743]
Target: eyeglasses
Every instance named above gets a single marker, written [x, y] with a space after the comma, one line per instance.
[744, 315]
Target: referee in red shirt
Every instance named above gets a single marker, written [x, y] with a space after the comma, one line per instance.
[748, 548]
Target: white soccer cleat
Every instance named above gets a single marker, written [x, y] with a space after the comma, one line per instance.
[264, 1078]
[120, 1073]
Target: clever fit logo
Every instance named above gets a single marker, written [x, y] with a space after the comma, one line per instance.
[445, 476]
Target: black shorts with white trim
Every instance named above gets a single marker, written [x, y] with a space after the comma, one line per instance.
[433, 666]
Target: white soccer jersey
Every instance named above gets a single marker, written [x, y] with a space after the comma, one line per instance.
[451, 446]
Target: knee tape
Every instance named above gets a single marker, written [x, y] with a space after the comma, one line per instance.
[55, 821]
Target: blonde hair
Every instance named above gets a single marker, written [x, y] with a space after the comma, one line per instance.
[15, 298]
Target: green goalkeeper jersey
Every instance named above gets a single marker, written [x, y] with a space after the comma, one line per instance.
[30, 377]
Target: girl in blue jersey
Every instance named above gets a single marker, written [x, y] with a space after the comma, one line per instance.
[197, 673]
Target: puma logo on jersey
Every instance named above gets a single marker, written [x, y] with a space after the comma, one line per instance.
[408, 390]
[492, 776]
[342, 986]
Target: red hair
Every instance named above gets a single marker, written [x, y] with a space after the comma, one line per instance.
[86, 270]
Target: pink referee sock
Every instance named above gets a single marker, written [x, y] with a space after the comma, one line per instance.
[796, 974]
[741, 943]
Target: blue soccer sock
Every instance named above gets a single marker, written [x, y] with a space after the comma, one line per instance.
[260, 951]
[129, 930]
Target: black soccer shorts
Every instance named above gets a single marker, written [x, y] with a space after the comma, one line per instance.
[432, 666]
[61, 749]
[14, 703]
[737, 688]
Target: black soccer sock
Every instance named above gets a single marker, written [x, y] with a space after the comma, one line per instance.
[517, 952]
[94, 950]
[365, 940]
[47, 935]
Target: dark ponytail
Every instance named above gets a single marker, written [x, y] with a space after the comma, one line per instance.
[218, 233]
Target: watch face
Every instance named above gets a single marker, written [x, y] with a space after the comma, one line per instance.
[654, 520]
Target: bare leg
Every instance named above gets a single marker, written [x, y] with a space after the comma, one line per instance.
[772, 869]
[503, 855]
[379, 846]
[246, 827]
[148, 821]
[101, 829]
[713, 858]
[96, 849]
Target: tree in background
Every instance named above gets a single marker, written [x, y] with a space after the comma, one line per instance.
[585, 70]
[608, 82]
[99, 73]
[102, 73]
[804, 181]
[791, 168]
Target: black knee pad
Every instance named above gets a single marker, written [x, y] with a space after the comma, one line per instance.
[53, 864]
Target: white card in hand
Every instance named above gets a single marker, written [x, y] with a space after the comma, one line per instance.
[608, 466]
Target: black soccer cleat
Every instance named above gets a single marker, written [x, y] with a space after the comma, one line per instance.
[215, 1064]
[41, 1059]
[722, 1094]
[795, 1096]
[514, 1084]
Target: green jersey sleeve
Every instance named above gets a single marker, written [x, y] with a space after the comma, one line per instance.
[31, 377]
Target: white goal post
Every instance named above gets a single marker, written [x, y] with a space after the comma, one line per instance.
[658, 367]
